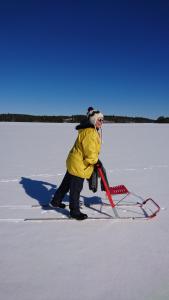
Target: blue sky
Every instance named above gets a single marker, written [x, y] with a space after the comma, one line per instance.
[59, 57]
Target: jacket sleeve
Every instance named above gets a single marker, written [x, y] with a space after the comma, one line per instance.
[90, 149]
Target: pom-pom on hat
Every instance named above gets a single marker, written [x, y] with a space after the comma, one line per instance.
[93, 115]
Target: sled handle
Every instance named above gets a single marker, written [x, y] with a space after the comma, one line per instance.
[106, 186]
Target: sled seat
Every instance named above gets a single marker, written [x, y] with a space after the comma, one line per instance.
[118, 189]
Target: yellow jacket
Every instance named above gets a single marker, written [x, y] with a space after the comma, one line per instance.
[85, 153]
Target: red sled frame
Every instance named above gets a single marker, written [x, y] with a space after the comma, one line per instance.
[121, 189]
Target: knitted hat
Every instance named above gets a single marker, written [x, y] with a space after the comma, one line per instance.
[93, 115]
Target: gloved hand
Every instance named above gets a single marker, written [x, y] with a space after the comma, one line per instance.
[99, 163]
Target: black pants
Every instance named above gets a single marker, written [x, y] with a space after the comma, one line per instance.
[74, 185]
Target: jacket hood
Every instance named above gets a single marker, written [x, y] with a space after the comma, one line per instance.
[84, 124]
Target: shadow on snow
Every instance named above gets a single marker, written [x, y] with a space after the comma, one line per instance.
[43, 192]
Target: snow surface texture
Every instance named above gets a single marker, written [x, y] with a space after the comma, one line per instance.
[74, 260]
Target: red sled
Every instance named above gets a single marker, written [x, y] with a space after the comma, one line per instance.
[148, 207]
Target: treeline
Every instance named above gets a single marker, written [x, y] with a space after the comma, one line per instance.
[31, 118]
[77, 119]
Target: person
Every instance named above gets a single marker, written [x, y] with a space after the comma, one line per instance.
[80, 163]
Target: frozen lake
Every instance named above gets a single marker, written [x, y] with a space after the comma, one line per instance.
[93, 260]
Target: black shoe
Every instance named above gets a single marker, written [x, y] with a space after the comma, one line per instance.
[55, 204]
[78, 216]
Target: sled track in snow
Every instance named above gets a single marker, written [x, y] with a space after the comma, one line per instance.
[46, 175]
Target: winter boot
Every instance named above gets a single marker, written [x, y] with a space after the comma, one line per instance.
[78, 216]
[56, 204]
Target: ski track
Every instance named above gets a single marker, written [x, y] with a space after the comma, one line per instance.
[30, 176]
[109, 171]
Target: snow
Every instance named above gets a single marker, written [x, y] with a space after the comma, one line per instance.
[92, 259]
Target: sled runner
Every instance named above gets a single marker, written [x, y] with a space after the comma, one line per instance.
[142, 209]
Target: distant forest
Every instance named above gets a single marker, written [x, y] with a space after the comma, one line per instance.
[77, 119]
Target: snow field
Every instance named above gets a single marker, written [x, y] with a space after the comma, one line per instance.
[90, 259]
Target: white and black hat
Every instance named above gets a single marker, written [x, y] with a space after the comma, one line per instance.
[93, 115]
